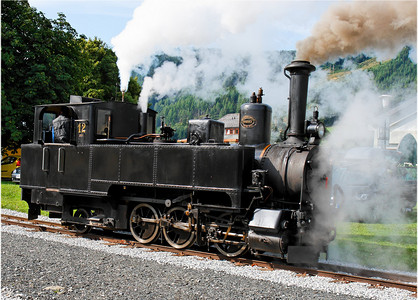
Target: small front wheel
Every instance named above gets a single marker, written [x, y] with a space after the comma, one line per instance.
[81, 213]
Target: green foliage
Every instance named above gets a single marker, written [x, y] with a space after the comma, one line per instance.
[160, 59]
[134, 90]
[39, 65]
[45, 61]
[184, 107]
[400, 72]
[338, 66]
[390, 76]
[403, 74]
[101, 74]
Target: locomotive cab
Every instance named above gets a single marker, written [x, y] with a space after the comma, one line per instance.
[57, 162]
[92, 121]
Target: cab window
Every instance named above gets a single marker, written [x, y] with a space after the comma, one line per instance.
[49, 134]
[103, 123]
[47, 121]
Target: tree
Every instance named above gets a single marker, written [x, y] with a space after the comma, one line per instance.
[40, 64]
[184, 107]
[400, 72]
[45, 61]
[101, 74]
[133, 91]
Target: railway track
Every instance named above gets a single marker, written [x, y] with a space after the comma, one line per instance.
[342, 274]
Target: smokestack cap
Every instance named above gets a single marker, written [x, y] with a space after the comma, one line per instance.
[300, 66]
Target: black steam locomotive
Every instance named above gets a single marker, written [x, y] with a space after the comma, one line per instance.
[103, 165]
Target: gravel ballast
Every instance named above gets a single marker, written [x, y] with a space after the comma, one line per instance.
[40, 265]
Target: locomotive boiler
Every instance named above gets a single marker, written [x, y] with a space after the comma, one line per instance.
[114, 172]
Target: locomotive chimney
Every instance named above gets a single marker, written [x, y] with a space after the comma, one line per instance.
[299, 72]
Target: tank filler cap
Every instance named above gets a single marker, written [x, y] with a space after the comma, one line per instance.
[253, 98]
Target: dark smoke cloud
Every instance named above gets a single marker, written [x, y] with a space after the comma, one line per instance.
[349, 28]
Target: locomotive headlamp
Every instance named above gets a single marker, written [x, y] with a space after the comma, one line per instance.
[320, 129]
[316, 129]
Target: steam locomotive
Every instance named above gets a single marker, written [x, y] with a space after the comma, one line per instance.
[114, 172]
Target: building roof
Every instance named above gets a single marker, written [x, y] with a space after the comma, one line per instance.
[230, 120]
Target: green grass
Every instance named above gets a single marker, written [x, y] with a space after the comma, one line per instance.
[10, 198]
[385, 246]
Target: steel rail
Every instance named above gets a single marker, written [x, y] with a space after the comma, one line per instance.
[398, 281]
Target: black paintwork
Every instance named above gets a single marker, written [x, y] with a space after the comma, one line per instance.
[114, 160]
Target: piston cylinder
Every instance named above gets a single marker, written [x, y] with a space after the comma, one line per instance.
[269, 243]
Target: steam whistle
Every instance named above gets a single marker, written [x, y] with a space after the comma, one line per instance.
[260, 95]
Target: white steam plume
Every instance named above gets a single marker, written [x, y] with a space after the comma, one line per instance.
[160, 25]
[366, 182]
[237, 28]
[203, 73]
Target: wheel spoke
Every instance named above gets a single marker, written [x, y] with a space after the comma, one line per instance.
[144, 223]
[177, 236]
[231, 250]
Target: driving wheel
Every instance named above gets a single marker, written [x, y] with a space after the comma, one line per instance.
[144, 223]
[233, 234]
[177, 230]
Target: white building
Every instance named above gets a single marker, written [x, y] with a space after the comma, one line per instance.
[399, 128]
[231, 133]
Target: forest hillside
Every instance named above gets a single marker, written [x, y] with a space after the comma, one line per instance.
[389, 76]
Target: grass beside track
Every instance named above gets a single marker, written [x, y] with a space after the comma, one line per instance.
[10, 198]
[383, 246]
[386, 246]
